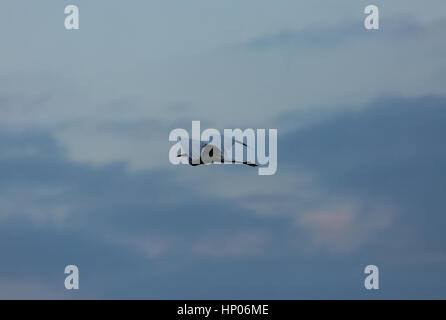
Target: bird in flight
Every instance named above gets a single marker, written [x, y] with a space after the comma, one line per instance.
[210, 152]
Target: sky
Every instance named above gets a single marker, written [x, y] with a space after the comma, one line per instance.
[85, 177]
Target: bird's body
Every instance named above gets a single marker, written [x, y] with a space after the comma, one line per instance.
[210, 152]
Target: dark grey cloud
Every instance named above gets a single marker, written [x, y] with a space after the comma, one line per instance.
[150, 234]
[328, 37]
[122, 229]
[391, 152]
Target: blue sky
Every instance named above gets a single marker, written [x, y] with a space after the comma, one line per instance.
[85, 178]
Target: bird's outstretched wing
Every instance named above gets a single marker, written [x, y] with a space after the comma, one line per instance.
[193, 154]
[229, 143]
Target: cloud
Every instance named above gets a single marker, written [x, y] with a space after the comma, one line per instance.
[344, 227]
[152, 211]
[389, 153]
[13, 289]
[236, 244]
[328, 37]
[104, 115]
[359, 200]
